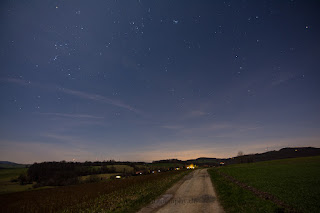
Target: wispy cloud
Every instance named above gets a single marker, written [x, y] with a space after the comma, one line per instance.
[282, 77]
[174, 127]
[98, 98]
[213, 129]
[16, 81]
[75, 93]
[65, 115]
[70, 140]
[191, 114]
[195, 114]
[207, 128]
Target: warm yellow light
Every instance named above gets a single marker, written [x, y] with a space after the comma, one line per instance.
[191, 166]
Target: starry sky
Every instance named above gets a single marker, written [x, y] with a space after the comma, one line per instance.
[144, 80]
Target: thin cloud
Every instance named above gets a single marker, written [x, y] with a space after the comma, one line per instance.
[282, 77]
[174, 127]
[76, 93]
[99, 98]
[70, 115]
[194, 114]
[207, 128]
[16, 81]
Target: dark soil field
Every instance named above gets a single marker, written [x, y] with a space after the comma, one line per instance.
[124, 195]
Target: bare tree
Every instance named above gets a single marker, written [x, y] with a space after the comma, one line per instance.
[240, 153]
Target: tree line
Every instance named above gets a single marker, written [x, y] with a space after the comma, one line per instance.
[63, 173]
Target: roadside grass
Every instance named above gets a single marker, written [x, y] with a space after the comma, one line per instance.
[124, 195]
[236, 199]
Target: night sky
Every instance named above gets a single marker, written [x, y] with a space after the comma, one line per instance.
[149, 80]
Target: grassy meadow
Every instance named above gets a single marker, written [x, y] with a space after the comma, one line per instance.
[294, 181]
[235, 199]
[123, 195]
[6, 186]
[8, 174]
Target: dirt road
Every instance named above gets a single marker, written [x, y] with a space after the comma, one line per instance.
[194, 193]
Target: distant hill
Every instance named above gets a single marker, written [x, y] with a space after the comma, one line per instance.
[11, 165]
[292, 152]
[204, 160]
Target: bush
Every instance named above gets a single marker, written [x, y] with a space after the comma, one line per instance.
[24, 179]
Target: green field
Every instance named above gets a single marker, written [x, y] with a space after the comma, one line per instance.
[7, 174]
[6, 186]
[294, 181]
[123, 195]
[234, 199]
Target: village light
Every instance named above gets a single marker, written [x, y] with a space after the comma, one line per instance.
[191, 166]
